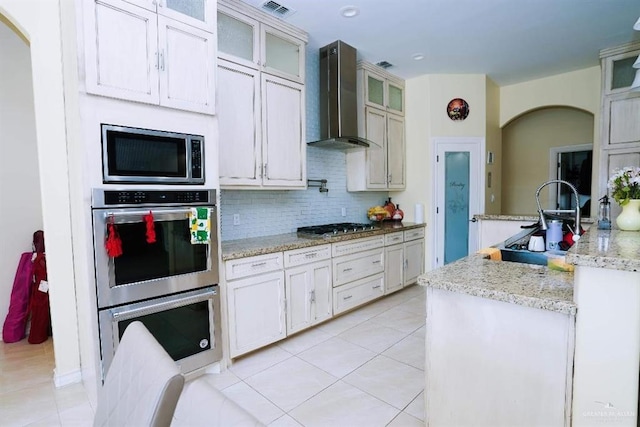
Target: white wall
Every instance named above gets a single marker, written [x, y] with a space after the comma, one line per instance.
[39, 22]
[426, 117]
[20, 207]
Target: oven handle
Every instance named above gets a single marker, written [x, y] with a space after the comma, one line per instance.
[160, 213]
[167, 304]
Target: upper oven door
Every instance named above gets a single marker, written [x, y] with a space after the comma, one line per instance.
[147, 270]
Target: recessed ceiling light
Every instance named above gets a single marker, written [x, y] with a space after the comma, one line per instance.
[350, 11]
[418, 56]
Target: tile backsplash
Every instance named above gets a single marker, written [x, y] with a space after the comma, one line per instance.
[269, 212]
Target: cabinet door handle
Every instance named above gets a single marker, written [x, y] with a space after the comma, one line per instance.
[389, 179]
[312, 296]
[157, 61]
[347, 297]
[162, 60]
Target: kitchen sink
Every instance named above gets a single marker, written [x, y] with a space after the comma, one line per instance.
[515, 249]
[524, 256]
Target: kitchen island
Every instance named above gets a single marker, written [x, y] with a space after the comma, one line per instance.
[501, 338]
[499, 344]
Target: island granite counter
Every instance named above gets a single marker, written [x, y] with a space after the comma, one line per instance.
[523, 284]
[499, 344]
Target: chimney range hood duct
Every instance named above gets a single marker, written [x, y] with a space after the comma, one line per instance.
[338, 99]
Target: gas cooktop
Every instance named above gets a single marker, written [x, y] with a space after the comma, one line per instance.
[332, 230]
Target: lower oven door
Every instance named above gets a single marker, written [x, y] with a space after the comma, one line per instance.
[187, 326]
[147, 270]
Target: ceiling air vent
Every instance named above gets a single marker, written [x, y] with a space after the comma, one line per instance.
[277, 9]
[384, 64]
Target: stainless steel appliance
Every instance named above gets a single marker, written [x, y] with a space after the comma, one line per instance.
[144, 270]
[187, 325]
[151, 156]
[338, 99]
[170, 285]
[327, 231]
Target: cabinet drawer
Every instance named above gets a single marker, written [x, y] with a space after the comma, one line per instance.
[357, 293]
[356, 266]
[393, 238]
[306, 255]
[416, 233]
[358, 245]
[250, 266]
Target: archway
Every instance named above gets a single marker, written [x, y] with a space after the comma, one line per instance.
[526, 144]
[41, 27]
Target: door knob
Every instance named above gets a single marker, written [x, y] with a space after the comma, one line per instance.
[473, 220]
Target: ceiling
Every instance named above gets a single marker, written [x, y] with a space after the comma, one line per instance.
[511, 41]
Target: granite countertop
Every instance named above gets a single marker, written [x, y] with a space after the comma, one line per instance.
[528, 285]
[242, 248]
[518, 217]
[612, 249]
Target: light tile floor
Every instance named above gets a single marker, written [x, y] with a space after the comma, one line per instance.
[365, 368]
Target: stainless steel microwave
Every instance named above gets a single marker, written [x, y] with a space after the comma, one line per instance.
[145, 156]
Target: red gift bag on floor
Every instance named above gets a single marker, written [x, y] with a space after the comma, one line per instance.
[39, 305]
[15, 324]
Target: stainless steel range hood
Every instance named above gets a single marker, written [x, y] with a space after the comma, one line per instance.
[338, 99]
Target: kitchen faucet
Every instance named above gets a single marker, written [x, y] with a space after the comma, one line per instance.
[543, 221]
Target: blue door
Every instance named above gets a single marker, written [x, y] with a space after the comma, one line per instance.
[456, 203]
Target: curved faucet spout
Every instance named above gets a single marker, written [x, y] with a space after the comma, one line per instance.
[543, 221]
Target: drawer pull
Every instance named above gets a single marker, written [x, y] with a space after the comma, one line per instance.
[311, 255]
[347, 297]
[376, 287]
[377, 262]
[347, 269]
[259, 264]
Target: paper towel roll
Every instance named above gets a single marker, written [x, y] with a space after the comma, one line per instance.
[419, 213]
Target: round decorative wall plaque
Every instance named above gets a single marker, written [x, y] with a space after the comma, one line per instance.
[458, 109]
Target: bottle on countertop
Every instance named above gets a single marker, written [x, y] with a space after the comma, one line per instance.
[397, 215]
[604, 214]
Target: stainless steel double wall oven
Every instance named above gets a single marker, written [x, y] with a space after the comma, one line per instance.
[171, 285]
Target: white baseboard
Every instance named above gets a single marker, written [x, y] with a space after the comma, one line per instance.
[61, 380]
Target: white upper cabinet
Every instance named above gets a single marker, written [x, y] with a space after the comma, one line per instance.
[261, 100]
[273, 47]
[239, 125]
[382, 90]
[380, 120]
[197, 13]
[134, 53]
[283, 144]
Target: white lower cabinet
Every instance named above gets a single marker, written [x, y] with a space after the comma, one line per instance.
[256, 307]
[413, 255]
[274, 295]
[358, 292]
[308, 290]
[394, 263]
[413, 261]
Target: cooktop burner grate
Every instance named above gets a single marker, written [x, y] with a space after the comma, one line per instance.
[330, 230]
